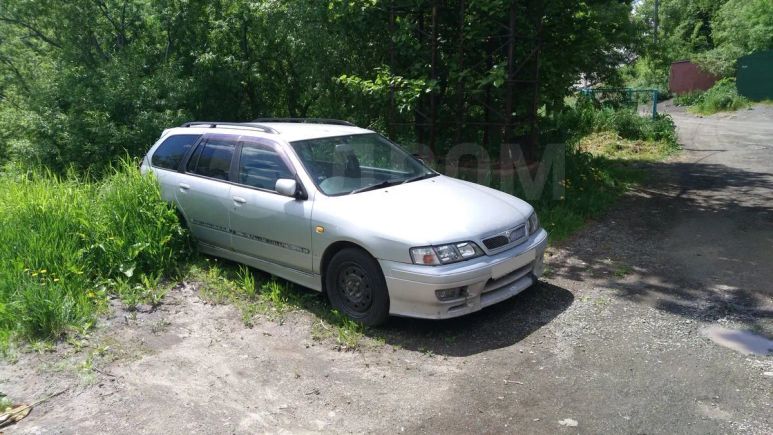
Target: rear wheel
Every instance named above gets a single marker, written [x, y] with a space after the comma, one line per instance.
[356, 287]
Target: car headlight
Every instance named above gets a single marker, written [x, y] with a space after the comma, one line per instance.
[445, 254]
[532, 225]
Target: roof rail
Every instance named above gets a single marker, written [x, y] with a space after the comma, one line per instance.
[213, 124]
[307, 121]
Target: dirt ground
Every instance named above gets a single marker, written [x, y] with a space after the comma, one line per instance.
[610, 342]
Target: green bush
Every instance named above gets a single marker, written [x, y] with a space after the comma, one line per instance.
[722, 97]
[688, 99]
[586, 117]
[66, 243]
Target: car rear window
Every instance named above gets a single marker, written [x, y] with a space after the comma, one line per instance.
[172, 150]
[213, 159]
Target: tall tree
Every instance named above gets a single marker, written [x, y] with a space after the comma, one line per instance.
[86, 81]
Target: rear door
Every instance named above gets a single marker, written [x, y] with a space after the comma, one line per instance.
[203, 190]
[166, 161]
[265, 224]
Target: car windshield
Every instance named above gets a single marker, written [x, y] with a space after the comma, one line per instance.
[356, 163]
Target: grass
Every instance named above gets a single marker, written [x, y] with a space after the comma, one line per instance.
[623, 270]
[588, 116]
[722, 97]
[223, 282]
[67, 243]
[688, 99]
[611, 145]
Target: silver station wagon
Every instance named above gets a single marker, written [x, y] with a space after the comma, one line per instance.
[343, 210]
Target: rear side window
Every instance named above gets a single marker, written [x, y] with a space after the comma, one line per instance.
[213, 159]
[261, 166]
[172, 150]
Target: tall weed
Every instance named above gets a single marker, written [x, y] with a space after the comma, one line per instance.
[688, 98]
[722, 97]
[65, 242]
[586, 117]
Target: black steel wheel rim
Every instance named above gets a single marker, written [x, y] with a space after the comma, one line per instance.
[355, 289]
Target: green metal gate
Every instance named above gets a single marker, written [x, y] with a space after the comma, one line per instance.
[754, 77]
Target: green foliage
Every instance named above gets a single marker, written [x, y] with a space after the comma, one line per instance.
[247, 282]
[149, 290]
[588, 117]
[406, 92]
[712, 33]
[222, 282]
[87, 83]
[722, 97]
[84, 83]
[745, 23]
[740, 27]
[346, 332]
[688, 99]
[66, 243]
[646, 73]
[611, 145]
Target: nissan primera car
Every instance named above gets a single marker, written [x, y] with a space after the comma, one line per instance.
[345, 211]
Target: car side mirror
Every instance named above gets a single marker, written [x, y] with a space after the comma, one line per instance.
[287, 187]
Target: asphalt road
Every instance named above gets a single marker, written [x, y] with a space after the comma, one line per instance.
[612, 342]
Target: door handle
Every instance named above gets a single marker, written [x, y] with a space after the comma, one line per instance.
[184, 186]
[239, 200]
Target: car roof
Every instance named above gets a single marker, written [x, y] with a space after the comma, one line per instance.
[295, 131]
[287, 131]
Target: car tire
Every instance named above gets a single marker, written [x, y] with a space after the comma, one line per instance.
[356, 287]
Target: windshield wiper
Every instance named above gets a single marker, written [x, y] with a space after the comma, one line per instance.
[388, 183]
[421, 177]
[381, 185]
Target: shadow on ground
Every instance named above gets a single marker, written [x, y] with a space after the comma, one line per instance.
[495, 327]
[696, 241]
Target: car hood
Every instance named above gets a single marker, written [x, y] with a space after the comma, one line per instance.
[427, 212]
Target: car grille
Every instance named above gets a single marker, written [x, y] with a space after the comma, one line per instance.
[517, 234]
[496, 242]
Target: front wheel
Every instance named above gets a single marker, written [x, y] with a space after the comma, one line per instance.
[356, 287]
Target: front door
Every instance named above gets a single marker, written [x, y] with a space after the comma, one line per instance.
[265, 224]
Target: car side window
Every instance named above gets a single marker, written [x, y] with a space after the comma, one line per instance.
[172, 150]
[213, 159]
[260, 166]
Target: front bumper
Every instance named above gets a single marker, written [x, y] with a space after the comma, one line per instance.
[487, 279]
